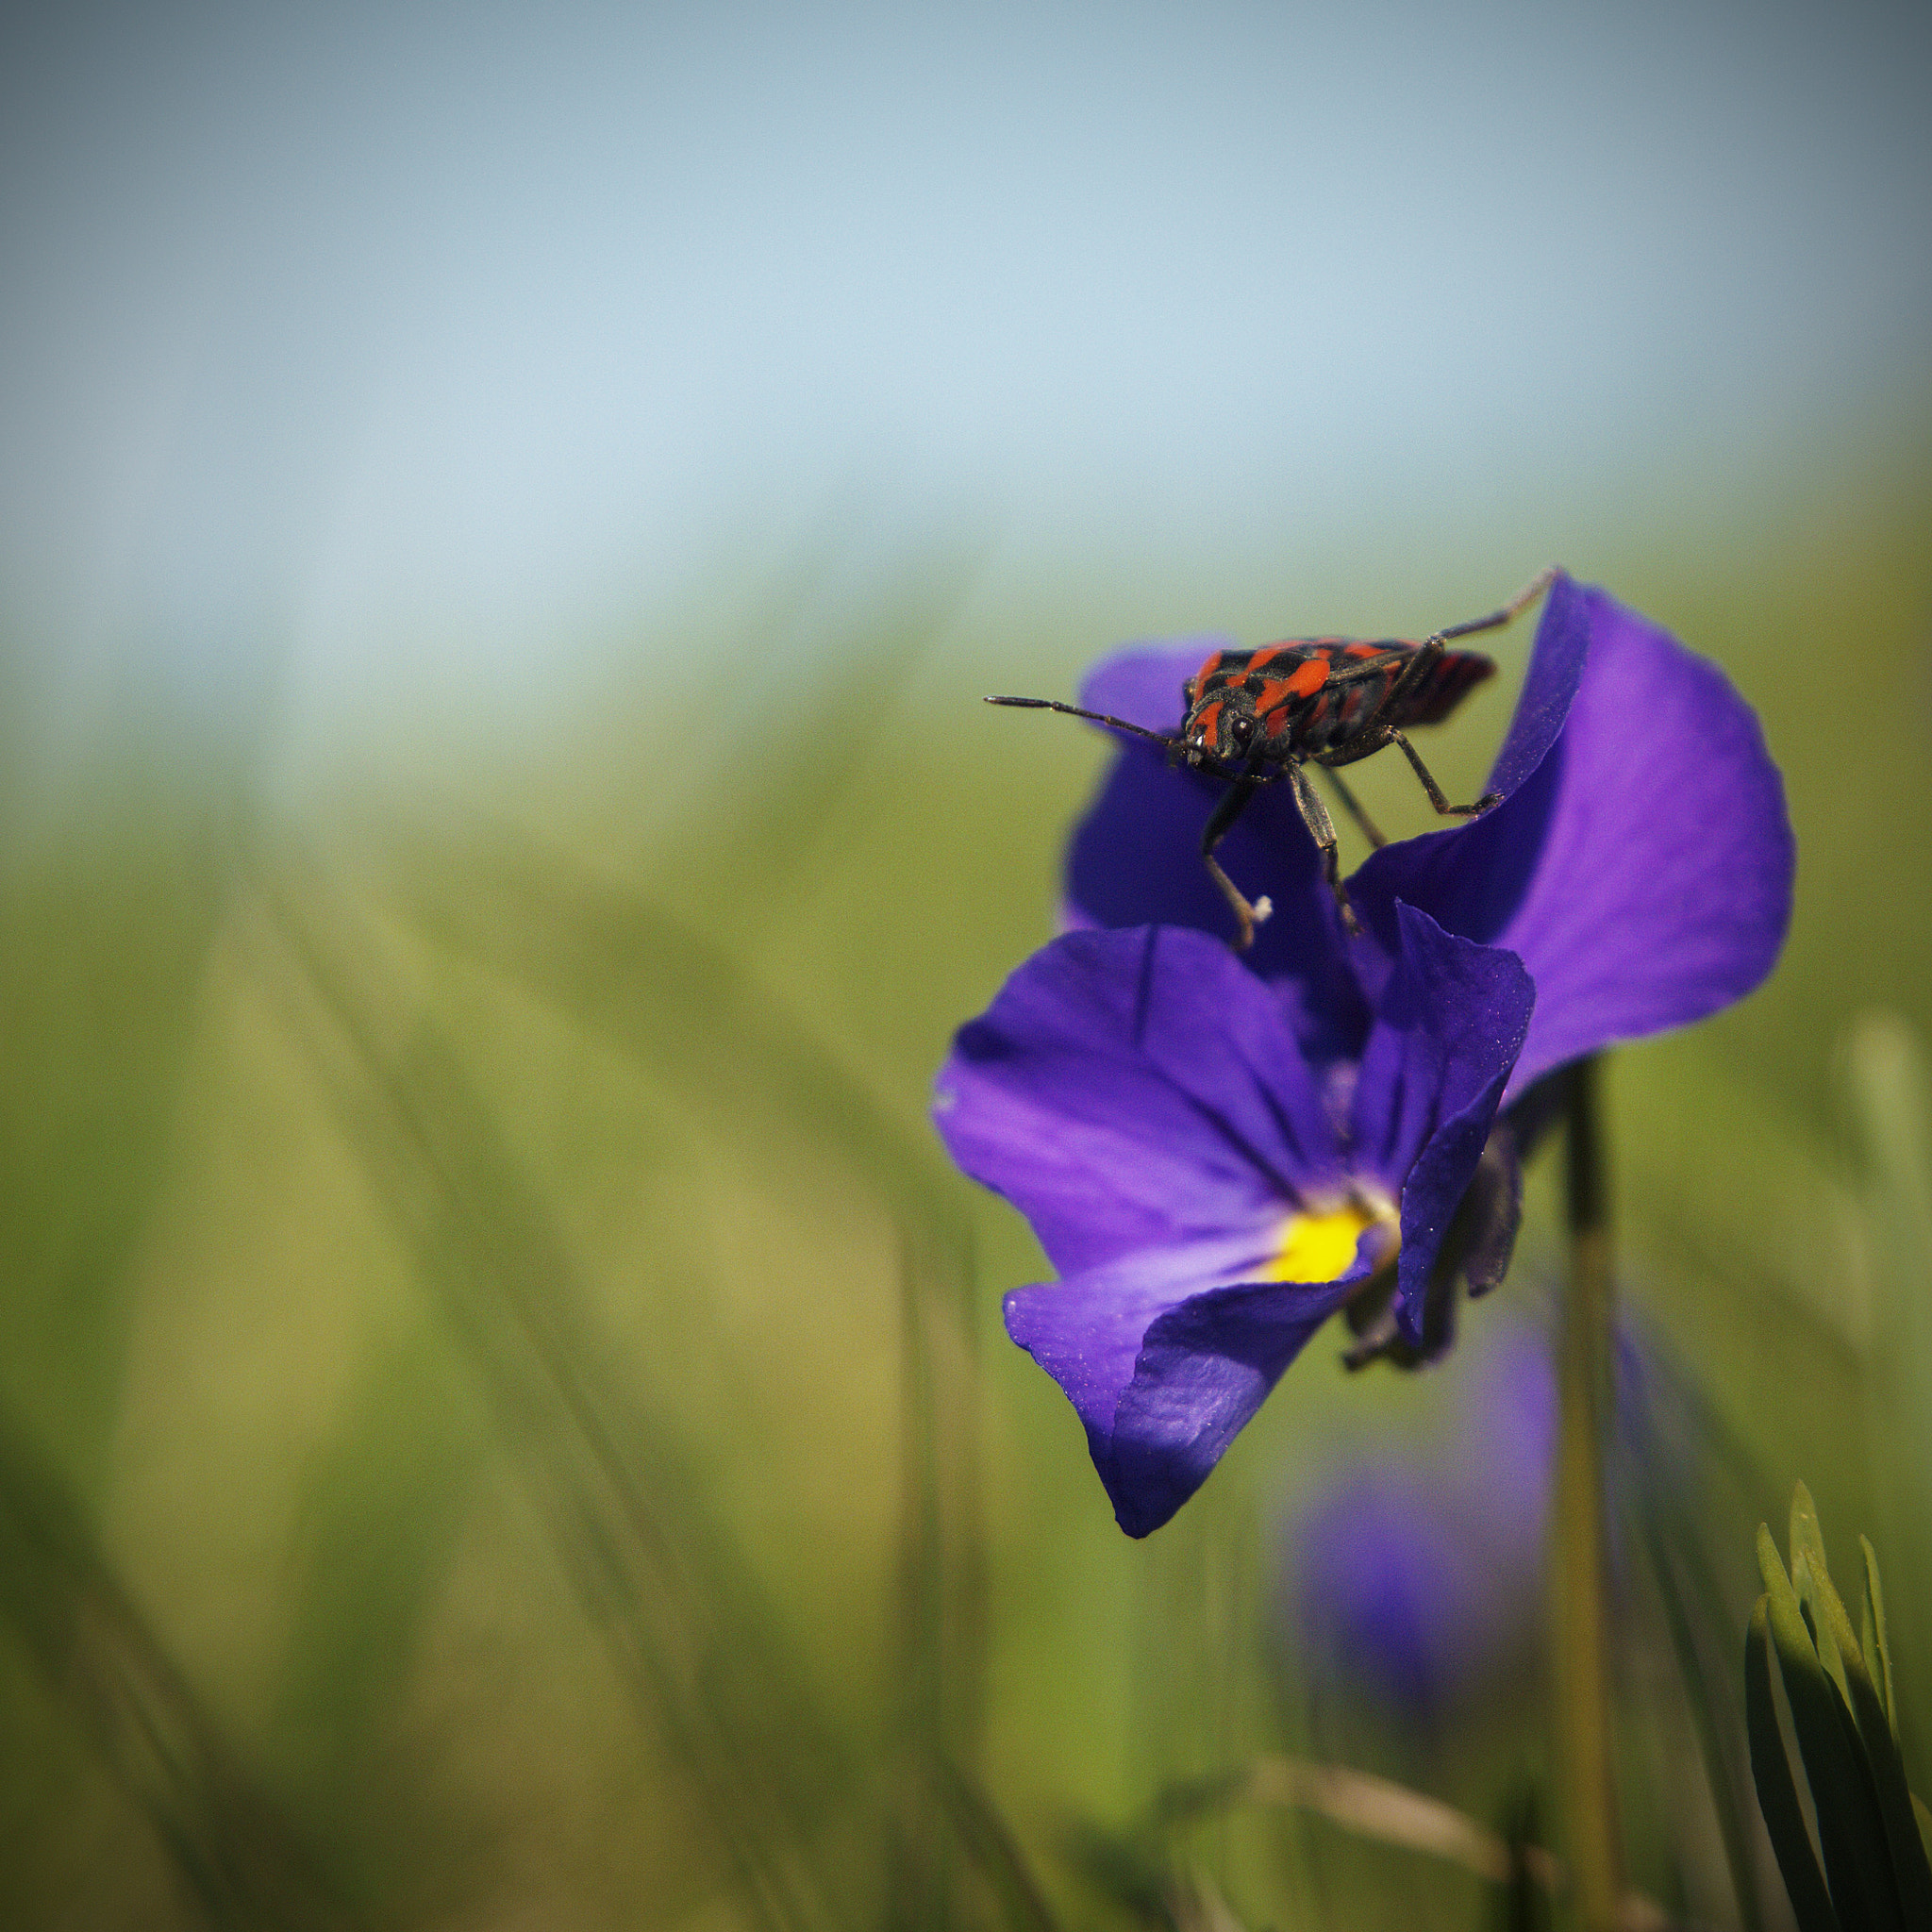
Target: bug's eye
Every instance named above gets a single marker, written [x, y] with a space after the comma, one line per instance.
[1240, 728]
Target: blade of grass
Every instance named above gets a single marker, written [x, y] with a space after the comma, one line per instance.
[1778, 1794]
[1389, 1813]
[1831, 1628]
[1910, 1871]
[705, 1662]
[1877, 1645]
[378, 1524]
[106, 929]
[696, 1020]
[683, 1006]
[991, 1846]
[238, 1851]
[1675, 1422]
[1525, 1905]
[1889, 1092]
[1858, 1862]
[1672, 1548]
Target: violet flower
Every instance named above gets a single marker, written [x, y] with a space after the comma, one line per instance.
[1419, 1578]
[1217, 1153]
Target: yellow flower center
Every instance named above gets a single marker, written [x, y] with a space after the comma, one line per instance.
[1319, 1247]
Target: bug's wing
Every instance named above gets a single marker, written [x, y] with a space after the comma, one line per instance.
[1444, 685]
[1355, 661]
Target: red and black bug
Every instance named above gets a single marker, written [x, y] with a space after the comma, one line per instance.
[1256, 716]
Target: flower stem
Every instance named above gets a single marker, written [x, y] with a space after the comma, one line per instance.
[1585, 1366]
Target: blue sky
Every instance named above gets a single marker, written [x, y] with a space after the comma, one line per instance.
[451, 331]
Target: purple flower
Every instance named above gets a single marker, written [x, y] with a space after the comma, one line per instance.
[1414, 1579]
[1418, 1577]
[1217, 1153]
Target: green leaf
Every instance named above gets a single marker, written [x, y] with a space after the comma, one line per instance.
[1777, 1796]
[1831, 1628]
[1858, 1862]
[1867, 1704]
[1877, 1650]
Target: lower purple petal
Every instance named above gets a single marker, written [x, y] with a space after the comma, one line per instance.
[1129, 1090]
[1162, 1367]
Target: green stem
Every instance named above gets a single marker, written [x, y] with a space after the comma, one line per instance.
[1585, 1369]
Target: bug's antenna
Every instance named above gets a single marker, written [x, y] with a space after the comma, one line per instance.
[1075, 711]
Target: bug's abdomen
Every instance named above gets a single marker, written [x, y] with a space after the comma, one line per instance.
[1447, 682]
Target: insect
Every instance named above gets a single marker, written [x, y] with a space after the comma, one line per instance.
[1257, 716]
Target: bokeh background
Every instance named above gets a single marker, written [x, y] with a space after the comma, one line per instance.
[505, 519]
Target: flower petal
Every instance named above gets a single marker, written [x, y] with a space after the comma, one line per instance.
[1135, 858]
[1472, 879]
[1452, 1020]
[1556, 663]
[1641, 871]
[1130, 1089]
[1163, 1367]
[1143, 683]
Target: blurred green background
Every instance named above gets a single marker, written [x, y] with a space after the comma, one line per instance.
[506, 1416]
[504, 1419]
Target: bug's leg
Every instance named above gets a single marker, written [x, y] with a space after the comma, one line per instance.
[1232, 803]
[1322, 828]
[1422, 661]
[1432, 647]
[1497, 618]
[1390, 736]
[1355, 811]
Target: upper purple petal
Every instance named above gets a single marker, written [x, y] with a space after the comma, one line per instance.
[1143, 683]
[1135, 1089]
[1165, 1365]
[1641, 869]
[1549, 685]
[1473, 880]
[1452, 1020]
[1135, 856]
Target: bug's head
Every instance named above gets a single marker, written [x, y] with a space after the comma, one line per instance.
[1222, 728]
